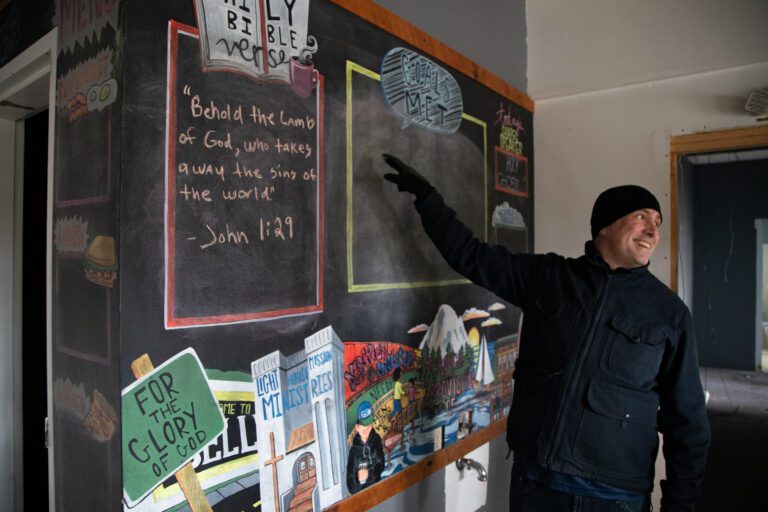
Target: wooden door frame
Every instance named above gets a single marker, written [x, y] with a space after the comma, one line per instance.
[737, 139]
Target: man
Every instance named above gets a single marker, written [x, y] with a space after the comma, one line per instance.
[607, 359]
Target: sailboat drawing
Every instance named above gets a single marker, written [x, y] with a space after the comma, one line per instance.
[484, 373]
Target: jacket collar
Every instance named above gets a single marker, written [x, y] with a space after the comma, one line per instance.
[594, 258]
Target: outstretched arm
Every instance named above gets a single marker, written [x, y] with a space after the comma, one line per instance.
[494, 267]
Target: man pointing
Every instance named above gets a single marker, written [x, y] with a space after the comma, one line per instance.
[607, 359]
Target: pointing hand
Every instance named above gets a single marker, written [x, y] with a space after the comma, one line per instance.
[407, 179]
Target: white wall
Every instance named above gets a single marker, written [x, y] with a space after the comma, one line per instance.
[585, 45]
[452, 491]
[588, 142]
[612, 81]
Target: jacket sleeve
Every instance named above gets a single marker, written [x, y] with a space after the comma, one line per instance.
[683, 422]
[507, 275]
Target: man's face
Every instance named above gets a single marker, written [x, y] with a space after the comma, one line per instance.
[630, 240]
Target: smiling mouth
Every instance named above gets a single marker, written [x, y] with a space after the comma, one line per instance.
[645, 244]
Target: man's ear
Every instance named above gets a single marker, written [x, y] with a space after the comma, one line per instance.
[600, 234]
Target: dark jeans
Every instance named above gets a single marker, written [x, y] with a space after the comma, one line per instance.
[527, 496]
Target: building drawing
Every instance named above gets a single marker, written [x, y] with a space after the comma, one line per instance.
[300, 423]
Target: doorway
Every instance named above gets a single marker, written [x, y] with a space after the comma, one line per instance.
[26, 93]
[727, 198]
[761, 318]
[715, 350]
[33, 318]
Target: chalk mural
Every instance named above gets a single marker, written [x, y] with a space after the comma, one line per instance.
[88, 83]
[254, 196]
[70, 235]
[421, 91]
[511, 172]
[264, 40]
[509, 228]
[227, 468]
[83, 20]
[87, 87]
[511, 167]
[512, 129]
[169, 416]
[317, 425]
[94, 412]
[404, 403]
[300, 424]
[204, 238]
[100, 263]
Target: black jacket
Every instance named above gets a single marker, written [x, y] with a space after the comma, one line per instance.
[607, 359]
[372, 453]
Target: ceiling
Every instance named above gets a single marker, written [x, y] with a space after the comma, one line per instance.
[580, 46]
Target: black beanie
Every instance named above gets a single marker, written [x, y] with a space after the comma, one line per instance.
[617, 202]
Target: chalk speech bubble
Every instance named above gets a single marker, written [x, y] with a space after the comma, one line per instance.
[421, 91]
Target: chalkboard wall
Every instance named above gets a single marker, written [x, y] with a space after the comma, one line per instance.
[379, 274]
[203, 208]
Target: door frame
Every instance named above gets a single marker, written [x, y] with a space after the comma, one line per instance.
[738, 139]
[18, 77]
[700, 143]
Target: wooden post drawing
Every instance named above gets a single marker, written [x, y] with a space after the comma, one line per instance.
[273, 462]
[186, 476]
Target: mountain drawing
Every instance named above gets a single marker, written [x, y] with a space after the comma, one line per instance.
[447, 329]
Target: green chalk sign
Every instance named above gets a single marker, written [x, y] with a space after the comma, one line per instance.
[169, 415]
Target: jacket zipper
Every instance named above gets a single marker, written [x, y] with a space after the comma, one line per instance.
[576, 371]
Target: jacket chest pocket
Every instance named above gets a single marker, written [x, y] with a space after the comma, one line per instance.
[553, 324]
[634, 349]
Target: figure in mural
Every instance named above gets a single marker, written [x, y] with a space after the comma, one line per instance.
[397, 399]
[366, 455]
[606, 345]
